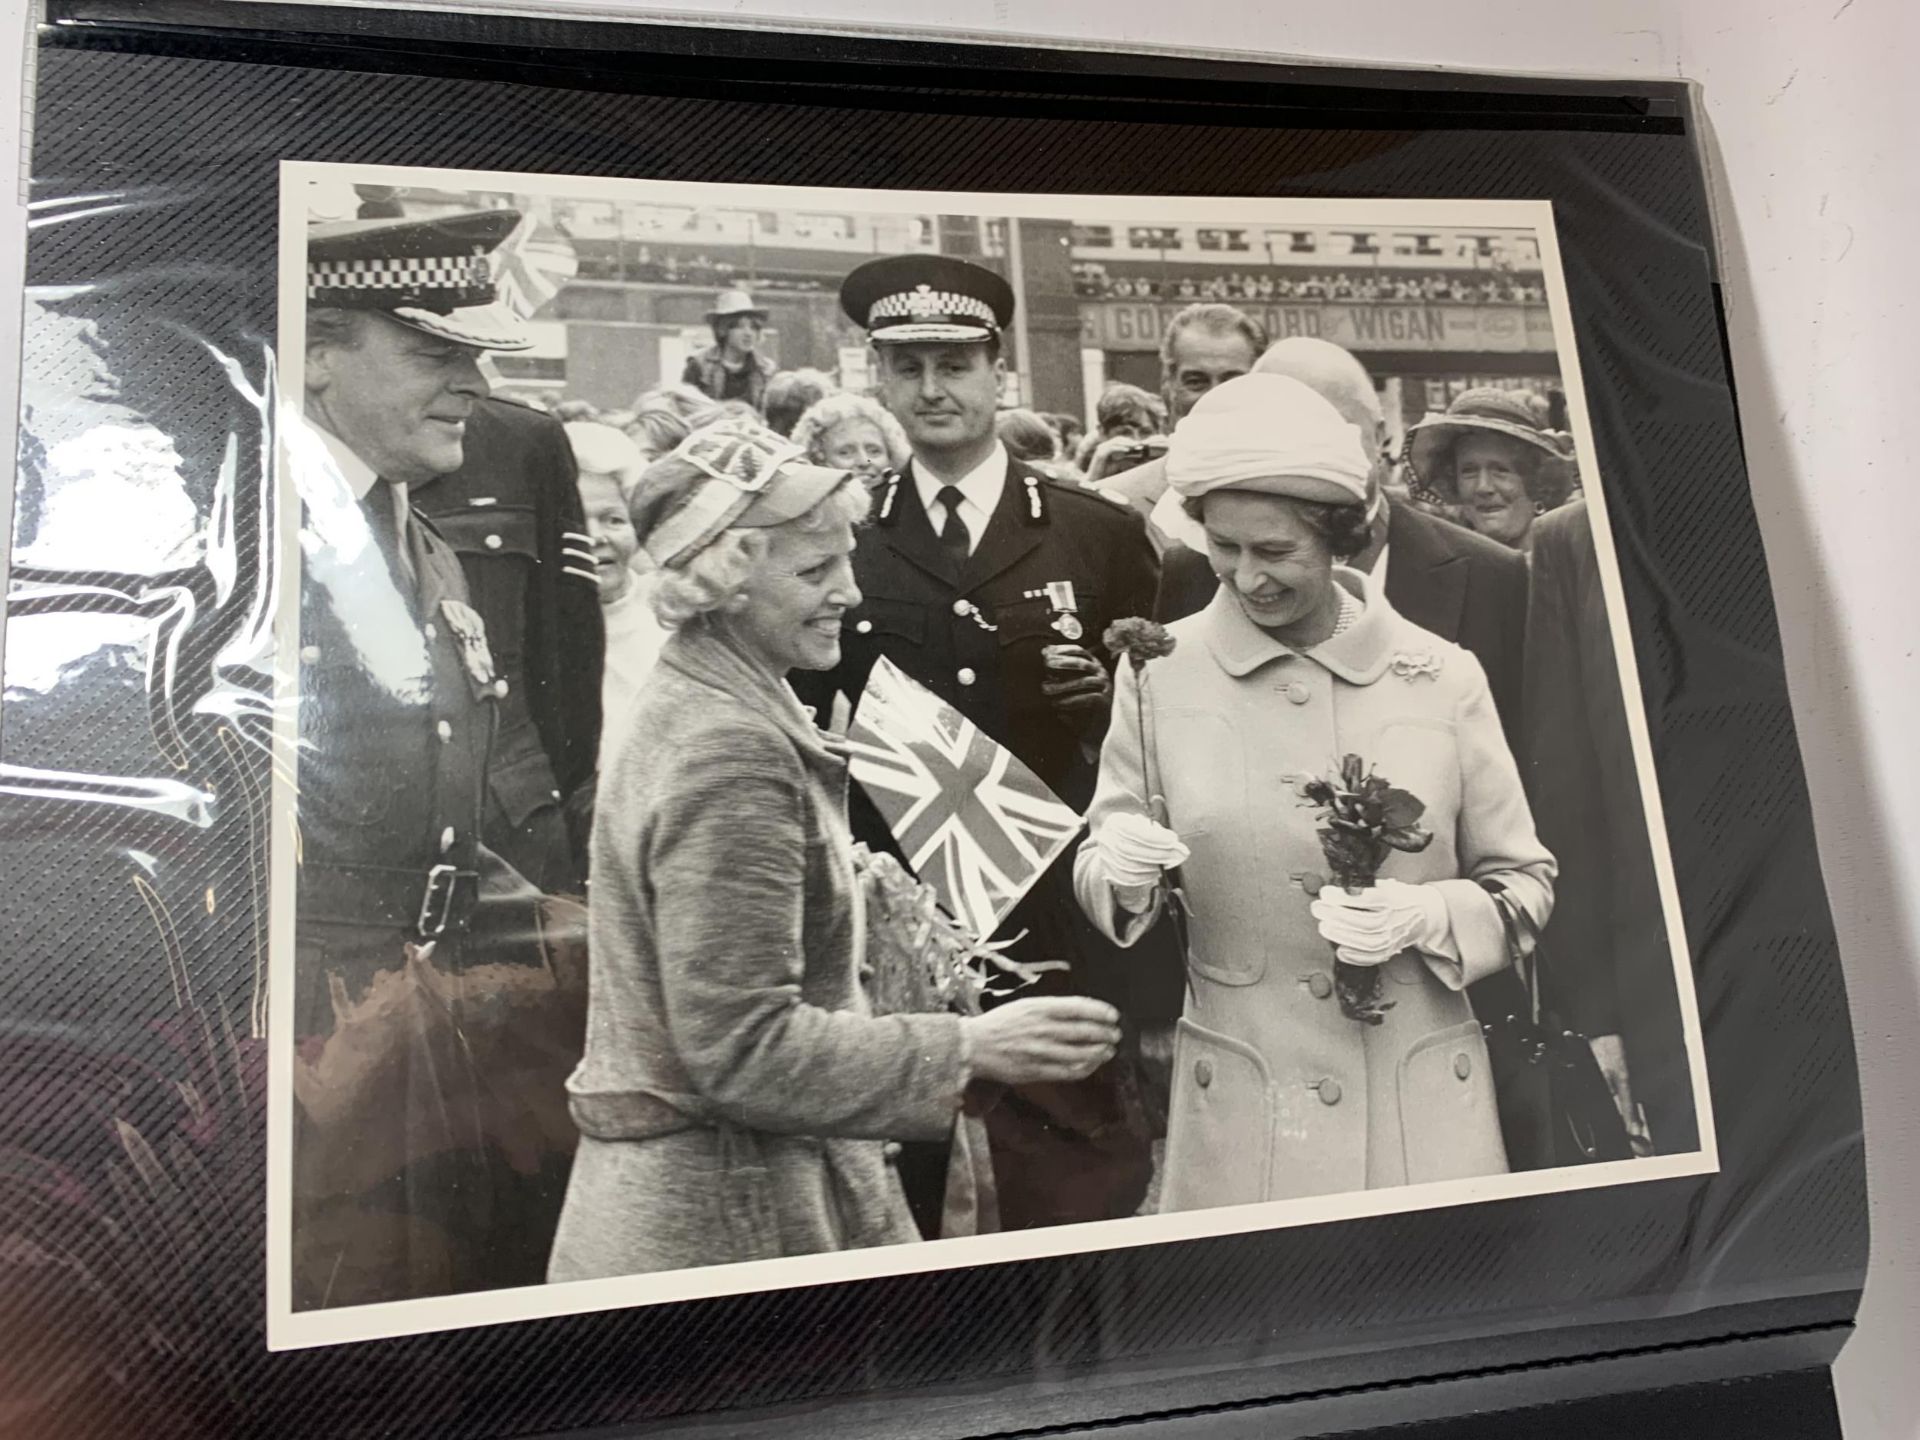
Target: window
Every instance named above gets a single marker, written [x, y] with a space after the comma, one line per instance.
[1093, 237]
[1222, 240]
[1359, 242]
[1153, 237]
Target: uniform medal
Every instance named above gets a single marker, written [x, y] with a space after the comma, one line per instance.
[1060, 596]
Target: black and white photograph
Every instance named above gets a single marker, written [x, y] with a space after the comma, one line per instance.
[828, 733]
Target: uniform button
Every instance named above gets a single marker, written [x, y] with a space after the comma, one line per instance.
[500, 689]
[1203, 1073]
[1462, 1066]
[963, 607]
[864, 627]
[1298, 693]
[445, 731]
[1319, 985]
[966, 675]
[310, 654]
[891, 1152]
[1329, 1092]
[554, 793]
[446, 840]
[494, 542]
[1313, 882]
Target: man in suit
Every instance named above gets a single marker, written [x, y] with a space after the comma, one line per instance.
[1205, 345]
[1446, 579]
[991, 585]
[419, 1070]
[1606, 957]
[512, 514]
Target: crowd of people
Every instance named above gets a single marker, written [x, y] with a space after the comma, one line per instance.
[1230, 1007]
[1092, 281]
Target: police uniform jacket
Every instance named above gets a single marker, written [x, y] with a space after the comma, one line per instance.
[974, 635]
[398, 710]
[1276, 1092]
[512, 514]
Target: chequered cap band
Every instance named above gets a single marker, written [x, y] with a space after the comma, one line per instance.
[456, 279]
[924, 303]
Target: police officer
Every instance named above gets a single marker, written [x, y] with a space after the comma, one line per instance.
[426, 1004]
[512, 514]
[991, 585]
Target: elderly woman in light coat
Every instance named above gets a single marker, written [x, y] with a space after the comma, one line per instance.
[1278, 1092]
[736, 1095]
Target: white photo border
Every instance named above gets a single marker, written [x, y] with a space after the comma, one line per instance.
[288, 1329]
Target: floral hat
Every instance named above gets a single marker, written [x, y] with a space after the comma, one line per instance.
[733, 473]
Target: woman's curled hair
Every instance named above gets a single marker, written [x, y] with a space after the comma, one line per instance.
[713, 576]
[1341, 524]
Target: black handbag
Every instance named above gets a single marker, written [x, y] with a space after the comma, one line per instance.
[1556, 1107]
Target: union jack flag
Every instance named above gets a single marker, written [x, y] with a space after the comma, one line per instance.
[975, 823]
[532, 264]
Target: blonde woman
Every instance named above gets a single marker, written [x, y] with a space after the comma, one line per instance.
[736, 1091]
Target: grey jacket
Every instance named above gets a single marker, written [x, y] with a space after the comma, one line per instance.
[726, 1019]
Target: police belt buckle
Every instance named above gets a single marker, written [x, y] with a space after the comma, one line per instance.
[436, 902]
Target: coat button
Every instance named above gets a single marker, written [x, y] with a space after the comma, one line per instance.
[494, 542]
[963, 607]
[500, 689]
[1203, 1073]
[1298, 693]
[966, 675]
[432, 634]
[1462, 1066]
[1313, 882]
[446, 840]
[891, 1152]
[1329, 1092]
[1319, 985]
[444, 730]
[864, 627]
[310, 654]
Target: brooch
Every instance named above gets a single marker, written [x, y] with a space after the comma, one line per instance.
[1413, 664]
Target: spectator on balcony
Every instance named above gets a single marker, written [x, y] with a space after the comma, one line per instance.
[732, 368]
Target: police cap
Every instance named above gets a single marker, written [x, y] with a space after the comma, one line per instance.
[926, 299]
[434, 275]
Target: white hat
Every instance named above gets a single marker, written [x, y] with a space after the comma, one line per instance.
[1269, 434]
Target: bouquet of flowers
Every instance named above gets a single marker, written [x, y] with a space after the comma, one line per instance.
[1363, 819]
[920, 959]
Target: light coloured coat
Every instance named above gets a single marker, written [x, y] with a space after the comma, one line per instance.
[736, 1090]
[1276, 1093]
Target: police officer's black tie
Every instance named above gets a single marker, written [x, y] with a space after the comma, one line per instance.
[955, 538]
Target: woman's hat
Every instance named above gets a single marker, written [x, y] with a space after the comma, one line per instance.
[1272, 435]
[1484, 411]
[732, 304]
[733, 474]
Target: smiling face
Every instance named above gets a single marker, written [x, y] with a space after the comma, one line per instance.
[857, 445]
[397, 397]
[944, 395]
[1491, 480]
[1200, 359]
[1276, 564]
[614, 540]
[791, 609]
[740, 337]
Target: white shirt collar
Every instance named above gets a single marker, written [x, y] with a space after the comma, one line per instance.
[359, 475]
[981, 488]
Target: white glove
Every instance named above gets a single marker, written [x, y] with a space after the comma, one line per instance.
[1135, 850]
[1377, 924]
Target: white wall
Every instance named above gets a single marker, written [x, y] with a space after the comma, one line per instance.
[1818, 207]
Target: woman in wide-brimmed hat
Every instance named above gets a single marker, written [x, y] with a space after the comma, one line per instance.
[737, 1091]
[732, 368]
[1283, 1086]
[1493, 458]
